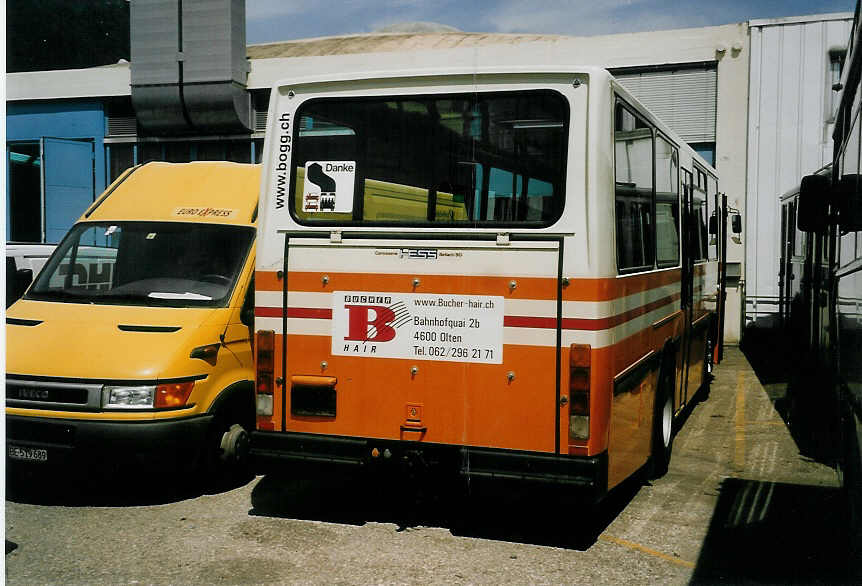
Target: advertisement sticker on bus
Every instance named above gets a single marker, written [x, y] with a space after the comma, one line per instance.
[328, 186]
[452, 328]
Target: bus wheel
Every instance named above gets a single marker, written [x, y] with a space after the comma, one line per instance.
[662, 434]
[708, 359]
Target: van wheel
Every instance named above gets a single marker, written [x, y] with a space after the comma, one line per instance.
[227, 458]
[234, 447]
[662, 434]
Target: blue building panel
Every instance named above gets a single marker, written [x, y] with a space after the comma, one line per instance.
[33, 120]
[68, 184]
[74, 173]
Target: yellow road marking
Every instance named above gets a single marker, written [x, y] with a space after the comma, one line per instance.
[739, 451]
[646, 550]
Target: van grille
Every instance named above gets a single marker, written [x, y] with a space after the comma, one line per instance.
[49, 395]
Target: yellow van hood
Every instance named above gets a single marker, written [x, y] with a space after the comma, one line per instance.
[117, 342]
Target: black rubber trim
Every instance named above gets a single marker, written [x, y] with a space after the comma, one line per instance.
[14, 321]
[101, 436]
[700, 323]
[103, 381]
[404, 235]
[586, 472]
[102, 199]
[134, 328]
[273, 451]
[501, 227]
[628, 379]
[231, 391]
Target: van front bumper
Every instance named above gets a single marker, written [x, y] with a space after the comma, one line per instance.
[66, 441]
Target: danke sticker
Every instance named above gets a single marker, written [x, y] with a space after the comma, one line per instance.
[328, 186]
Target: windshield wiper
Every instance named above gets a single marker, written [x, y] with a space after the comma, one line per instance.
[59, 294]
[109, 296]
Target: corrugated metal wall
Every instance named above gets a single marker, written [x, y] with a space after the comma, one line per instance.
[684, 99]
[789, 136]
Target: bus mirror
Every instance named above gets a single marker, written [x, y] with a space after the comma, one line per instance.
[849, 204]
[812, 214]
[713, 224]
[736, 223]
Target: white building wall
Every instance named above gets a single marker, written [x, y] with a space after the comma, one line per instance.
[789, 136]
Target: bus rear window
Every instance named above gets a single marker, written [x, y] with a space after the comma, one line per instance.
[465, 159]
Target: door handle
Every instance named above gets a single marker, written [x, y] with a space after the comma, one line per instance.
[416, 429]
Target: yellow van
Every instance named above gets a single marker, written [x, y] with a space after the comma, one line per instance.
[134, 340]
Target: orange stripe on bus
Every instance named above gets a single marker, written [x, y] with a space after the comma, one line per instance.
[538, 288]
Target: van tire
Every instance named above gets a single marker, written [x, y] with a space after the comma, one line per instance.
[662, 429]
[227, 459]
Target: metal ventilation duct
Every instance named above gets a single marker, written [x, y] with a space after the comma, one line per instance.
[189, 65]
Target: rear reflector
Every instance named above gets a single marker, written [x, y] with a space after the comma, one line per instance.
[265, 371]
[579, 391]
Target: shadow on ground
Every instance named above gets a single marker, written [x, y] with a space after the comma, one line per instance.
[765, 532]
[511, 513]
[797, 390]
[109, 485]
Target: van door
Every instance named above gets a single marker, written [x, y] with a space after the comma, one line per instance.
[449, 340]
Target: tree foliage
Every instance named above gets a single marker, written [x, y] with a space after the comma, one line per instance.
[65, 34]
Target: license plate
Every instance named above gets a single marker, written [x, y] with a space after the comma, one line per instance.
[27, 454]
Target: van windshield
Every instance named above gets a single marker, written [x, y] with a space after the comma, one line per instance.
[145, 263]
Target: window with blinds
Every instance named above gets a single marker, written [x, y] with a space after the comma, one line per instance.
[684, 99]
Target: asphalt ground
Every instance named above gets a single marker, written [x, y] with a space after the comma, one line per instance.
[741, 503]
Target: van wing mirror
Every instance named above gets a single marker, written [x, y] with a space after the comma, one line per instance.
[813, 212]
[849, 196]
[713, 224]
[17, 282]
[246, 316]
[246, 313]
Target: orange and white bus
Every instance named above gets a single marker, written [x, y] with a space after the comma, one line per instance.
[503, 271]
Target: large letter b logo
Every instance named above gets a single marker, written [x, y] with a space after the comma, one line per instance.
[364, 328]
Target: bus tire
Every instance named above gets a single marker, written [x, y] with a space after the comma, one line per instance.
[708, 358]
[662, 429]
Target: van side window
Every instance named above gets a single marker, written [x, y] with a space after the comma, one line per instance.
[667, 203]
[633, 169]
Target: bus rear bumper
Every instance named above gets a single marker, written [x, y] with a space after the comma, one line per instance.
[272, 451]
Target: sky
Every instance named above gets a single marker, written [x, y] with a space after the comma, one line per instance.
[281, 20]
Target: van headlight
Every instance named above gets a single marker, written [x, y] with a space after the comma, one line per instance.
[128, 397]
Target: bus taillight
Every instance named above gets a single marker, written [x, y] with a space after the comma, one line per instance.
[579, 391]
[265, 371]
